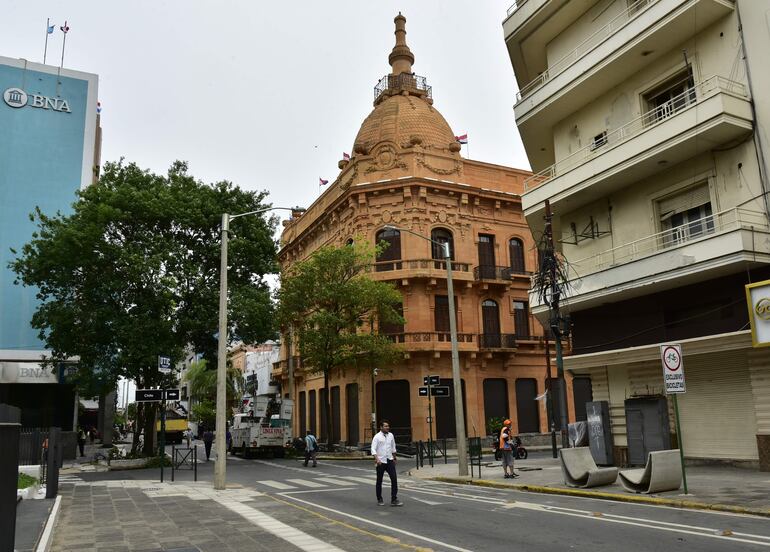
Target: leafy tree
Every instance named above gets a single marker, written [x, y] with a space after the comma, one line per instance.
[332, 304]
[133, 272]
[203, 387]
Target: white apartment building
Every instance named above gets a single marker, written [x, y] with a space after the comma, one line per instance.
[646, 125]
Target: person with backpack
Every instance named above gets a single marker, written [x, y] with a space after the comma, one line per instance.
[506, 445]
[311, 448]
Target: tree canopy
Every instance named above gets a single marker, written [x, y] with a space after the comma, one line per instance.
[133, 272]
[332, 305]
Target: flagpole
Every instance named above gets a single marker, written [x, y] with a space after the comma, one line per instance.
[47, 26]
[63, 44]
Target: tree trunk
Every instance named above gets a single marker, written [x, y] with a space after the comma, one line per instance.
[138, 419]
[328, 409]
[148, 423]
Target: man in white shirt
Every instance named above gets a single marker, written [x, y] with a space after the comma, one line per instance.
[384, 452]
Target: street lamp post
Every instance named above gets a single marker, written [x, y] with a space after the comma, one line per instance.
[462, 444]
[220, 466]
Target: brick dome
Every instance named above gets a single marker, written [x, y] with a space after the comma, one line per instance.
[403, 120]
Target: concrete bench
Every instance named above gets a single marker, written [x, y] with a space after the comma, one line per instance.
[580, 470]
[663, 472]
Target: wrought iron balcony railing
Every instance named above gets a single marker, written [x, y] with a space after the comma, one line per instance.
[403, 81]
[497, 341]
[489, 272]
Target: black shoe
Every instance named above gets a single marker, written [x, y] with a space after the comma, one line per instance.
[314, 465]
[380, 502]
[514, 475]
[396, 502]
[506, 476]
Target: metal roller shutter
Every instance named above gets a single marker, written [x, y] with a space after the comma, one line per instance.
[717, 412]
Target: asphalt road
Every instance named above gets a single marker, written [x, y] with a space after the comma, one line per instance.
[440, 516]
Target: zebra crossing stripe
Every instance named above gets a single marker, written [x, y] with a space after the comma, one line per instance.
[276, 484]
[333, 481]
[364, 480]
[307, 483]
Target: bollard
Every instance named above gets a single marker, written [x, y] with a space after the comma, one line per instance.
[10, 428]
[53, 458]
[195, 462]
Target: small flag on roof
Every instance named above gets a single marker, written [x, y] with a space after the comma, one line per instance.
[462, 139]
[51, 29]
[98, 107]
[64, 28]
[322, 182]
[346, 156]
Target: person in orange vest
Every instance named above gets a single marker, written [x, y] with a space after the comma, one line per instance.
[506, 445]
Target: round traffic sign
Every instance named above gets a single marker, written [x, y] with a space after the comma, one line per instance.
[672, 359]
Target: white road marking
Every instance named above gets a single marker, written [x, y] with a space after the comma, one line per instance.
[306, 483]
[428, 502]
[382, 526]
[364, 480]
[276, 484]
[335, 489]
[301, 540]
[333, 481]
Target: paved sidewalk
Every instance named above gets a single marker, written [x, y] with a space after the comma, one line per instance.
[31, 517]
[735, 488]
[123, 516]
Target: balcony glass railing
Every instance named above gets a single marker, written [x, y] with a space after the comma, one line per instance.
[725, 221]
[588, 45]
[692, 96]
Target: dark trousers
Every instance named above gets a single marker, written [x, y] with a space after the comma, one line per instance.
[310, 454]
[389, 467]
[207, 445]
[81, 446]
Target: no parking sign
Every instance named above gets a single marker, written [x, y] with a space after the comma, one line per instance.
[673, 368]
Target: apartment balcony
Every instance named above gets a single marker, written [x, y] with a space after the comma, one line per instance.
[645, 31]
[497, 342]
[708, 115]
[422, 269]
[433, 341]
[697, 251]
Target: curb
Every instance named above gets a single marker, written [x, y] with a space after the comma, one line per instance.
[634, 499]
[45, 539]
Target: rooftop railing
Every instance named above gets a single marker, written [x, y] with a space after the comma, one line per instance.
[711, 225]
[588, 45]
[515, 6]
[403, 81]
[692, 96]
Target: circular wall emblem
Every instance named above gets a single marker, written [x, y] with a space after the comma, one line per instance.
[15, 97]
[762, 308]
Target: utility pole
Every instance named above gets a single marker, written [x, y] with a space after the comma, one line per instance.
[549, 395]
[556, 321]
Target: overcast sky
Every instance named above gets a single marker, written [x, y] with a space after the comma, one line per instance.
[269, 94]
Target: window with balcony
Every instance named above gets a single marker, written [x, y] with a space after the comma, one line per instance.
[441, 236]
[686, 215]
[516, 253]
[670, 97]
[521, 319]
[386, 260]
[441, 316]
[490, 321]
[486, 257]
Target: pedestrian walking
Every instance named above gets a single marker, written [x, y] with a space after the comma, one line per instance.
[506, 445]
[229, 440]
[311, 448]
[81, 441]
[188, 436]
[208, 438]
[92, 434]
[384, 452]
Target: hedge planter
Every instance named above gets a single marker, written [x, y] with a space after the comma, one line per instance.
[132, 464]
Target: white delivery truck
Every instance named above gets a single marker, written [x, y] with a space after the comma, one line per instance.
[258, 431]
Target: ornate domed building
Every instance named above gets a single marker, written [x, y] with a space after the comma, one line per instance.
[406, 171]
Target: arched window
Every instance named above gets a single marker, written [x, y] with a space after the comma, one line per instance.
[441, 236]
[516, 252]
[392, 252]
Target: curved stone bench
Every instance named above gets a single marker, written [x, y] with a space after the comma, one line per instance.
[580, 470]
[663, 472]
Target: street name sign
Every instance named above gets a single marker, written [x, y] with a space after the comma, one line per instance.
[440, 391]
[431, 380]
[172, 394]
[149, 395]
[673, 368]
[422, 391]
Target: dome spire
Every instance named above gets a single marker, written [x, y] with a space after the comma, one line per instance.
[401, 57]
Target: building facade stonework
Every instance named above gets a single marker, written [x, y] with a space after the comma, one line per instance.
[406, 172]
